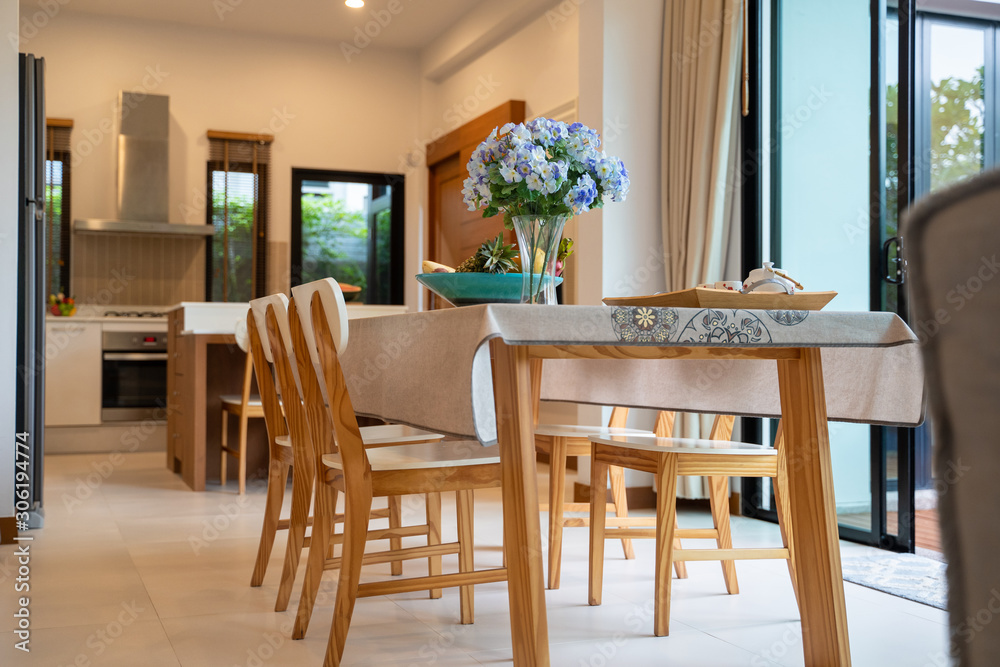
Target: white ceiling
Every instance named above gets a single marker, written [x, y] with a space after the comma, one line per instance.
[415, 24]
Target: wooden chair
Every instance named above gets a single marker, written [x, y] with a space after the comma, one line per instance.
[560, 441]
[719, 458]
[287, 381]
[244, 406]
[319, 328]
[280, 456]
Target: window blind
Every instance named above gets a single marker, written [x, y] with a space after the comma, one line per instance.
[238, 208]
[57, 204]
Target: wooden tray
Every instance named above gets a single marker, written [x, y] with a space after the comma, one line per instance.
[702, 297]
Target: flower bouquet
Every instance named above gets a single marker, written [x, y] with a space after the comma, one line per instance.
[539, 174]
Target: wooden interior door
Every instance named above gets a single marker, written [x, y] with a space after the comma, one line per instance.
[454, 232]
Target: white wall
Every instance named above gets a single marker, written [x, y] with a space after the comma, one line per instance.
[324, 112]
[632, 233]
[8, 254]
[537, 64]
[619, 46]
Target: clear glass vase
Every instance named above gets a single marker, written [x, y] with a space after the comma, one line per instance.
[538, 238]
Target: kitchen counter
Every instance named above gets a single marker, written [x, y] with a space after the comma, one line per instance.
[205, 318]
[203, 362]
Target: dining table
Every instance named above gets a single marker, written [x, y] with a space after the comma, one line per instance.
[467, 372]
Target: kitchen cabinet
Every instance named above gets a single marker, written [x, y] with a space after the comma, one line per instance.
[72, 373]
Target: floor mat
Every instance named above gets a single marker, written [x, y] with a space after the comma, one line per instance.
[903, 575]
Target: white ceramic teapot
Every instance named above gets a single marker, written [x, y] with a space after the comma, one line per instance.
[770, 279]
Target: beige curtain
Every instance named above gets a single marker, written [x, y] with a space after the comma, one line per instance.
[702, 50]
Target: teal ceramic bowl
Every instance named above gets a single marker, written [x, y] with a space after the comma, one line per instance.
[469, 289]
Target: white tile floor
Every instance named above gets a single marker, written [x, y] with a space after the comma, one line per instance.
[133, 569]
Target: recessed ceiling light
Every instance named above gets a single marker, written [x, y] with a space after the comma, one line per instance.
[355, 4]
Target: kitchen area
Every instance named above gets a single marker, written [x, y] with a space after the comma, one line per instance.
[141, 359]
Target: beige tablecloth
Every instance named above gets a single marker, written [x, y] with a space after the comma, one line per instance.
[432, 370]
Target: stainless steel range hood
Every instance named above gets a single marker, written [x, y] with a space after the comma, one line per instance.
[143, 203]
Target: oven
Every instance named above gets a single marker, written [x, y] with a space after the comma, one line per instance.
[134, 375]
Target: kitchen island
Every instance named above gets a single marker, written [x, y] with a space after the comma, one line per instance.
[204, 362]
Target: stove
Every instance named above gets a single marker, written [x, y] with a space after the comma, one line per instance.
[134, 313]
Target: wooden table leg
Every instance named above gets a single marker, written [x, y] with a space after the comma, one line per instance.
[813, 511]
[521, 525]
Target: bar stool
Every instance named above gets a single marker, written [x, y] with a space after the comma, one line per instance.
[244, 406]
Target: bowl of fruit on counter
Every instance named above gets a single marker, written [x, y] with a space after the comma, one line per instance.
[491, 275]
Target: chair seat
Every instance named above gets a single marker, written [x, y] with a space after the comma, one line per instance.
[583, 431]
[684, 445]
[396, 433]
[236, 400]
[447, 454]
[383, 434]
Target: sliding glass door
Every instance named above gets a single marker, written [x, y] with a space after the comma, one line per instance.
[830, 180]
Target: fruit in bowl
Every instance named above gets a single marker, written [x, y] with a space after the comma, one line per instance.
[351, 292]
[62, 306]
[486, 277]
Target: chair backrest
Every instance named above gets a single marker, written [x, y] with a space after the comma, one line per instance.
[334, 413]
[270, 315]
[335, 308]
[243, 341]
[952, 244]
[274, 420]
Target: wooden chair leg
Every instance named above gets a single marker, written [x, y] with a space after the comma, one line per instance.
[666, 520]
[719, 498]
[598, 520]
[225, 443]
[322, 531]
[242, 463]
[557, 496]
[395, 521]
[465, 508]
[434, 537]
[277, 477]
[621, 504]
[357, 509]
[302, 493]
[680, 567]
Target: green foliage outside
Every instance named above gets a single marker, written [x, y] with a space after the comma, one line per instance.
[326, 225]
[239, 269]
[383, 254]
[957, 123]
[956, 144]
[53, 261]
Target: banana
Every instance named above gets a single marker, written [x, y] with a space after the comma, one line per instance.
[433, 267]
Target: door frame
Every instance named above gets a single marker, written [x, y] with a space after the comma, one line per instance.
[459, 143]
[752, 501]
